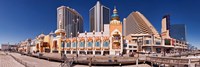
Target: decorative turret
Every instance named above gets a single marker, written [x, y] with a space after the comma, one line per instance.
[116, 40]
[115, 16]
[41, 36]
[60, 32]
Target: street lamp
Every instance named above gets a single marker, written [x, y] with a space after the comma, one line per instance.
[75, 22]
[29, 45]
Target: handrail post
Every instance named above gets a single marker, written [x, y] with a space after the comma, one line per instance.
[189, 63]
[137, 62]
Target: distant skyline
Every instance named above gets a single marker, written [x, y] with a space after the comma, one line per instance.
[22, 19]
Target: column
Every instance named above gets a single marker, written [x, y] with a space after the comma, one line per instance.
[102, 52]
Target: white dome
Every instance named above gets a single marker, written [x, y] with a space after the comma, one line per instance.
[41, 35]
[58, 31]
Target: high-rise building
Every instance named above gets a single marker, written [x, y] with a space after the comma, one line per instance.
[69, 20]
[136, 23]
[99, 15]
[166, 26]
[178, 31]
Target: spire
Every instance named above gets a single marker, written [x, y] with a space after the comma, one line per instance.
[115, 10]
[115, 16]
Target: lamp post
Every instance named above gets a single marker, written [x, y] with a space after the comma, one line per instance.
[63, 56]
[75, 22]
[28, 46]
[77, 45]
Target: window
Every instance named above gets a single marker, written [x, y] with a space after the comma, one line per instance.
[130, 46]
[125, 45]
[74, 44]
[97, 44]
[158, 43]
[148, 49]
[134, 46]
[167, 42]
[148, 41]
[68, 44]
[105, 44]
[158, 50]
[82, 44]
[62, 44]
[90, 44]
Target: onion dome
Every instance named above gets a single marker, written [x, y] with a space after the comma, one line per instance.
[115, 16]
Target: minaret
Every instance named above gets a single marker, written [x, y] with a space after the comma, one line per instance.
[116, 45]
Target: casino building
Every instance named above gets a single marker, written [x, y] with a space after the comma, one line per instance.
[107, 42]
[141, 36]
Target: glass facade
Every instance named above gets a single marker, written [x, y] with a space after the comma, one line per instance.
[106, 15]
[178, 31]
[67, 15]
[92, 19]
[98, 16]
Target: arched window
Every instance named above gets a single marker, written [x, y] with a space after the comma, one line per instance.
[82, 44]
[74, 44]
[55, 44]
[62, 44]
[97, 43]
[106, 43]
[68, 44]
[90, 44]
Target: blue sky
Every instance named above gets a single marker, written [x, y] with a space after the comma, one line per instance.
[22, 19]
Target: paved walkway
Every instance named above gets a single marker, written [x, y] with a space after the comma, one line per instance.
[8, 61]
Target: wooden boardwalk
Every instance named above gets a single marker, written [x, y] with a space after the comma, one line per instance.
[173, 61]
[117, 60]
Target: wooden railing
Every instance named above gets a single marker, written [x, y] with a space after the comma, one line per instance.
[168, 60]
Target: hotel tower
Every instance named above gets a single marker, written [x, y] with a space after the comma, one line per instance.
[99, 15]
[71, 20]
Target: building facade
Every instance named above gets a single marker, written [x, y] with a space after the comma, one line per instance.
[141, 36]
[178, 31]
[98, 16]
[107, 42]
[165, 31]
[135, 34]
[5, 47]
[70, 20]
[136, 23]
